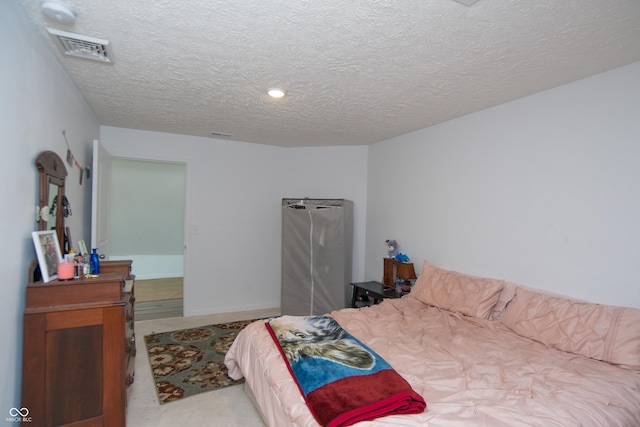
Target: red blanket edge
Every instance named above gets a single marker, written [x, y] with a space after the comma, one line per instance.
[395, 405]
[364, 398]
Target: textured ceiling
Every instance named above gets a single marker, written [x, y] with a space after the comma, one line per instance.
[355, 72]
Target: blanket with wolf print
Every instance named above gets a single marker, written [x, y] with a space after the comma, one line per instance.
[342, 380]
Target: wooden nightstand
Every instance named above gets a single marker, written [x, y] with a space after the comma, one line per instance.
[374, 290]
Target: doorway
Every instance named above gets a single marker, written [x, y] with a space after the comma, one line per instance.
[147, 217]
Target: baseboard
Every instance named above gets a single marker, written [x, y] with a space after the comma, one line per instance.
[260, 311]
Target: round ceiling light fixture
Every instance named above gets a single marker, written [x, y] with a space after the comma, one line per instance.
[276, 92]
[58, 11]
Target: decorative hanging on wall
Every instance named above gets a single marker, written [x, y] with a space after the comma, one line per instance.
[72, 160]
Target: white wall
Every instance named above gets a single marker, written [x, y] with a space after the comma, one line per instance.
[543, 191]
[233, 220]
[38, 101]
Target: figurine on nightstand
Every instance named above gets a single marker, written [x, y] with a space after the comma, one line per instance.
[392, 248]
[402, 258]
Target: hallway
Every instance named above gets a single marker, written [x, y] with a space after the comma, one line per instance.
[158, 298]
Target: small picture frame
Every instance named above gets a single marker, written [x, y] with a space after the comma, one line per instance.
[49, 254]
[82, 248]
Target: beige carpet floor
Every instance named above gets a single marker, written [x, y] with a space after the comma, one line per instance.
[226, 407]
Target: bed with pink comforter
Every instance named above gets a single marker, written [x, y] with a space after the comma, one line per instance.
[481, 352]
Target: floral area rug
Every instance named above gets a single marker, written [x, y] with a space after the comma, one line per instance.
[191, 361]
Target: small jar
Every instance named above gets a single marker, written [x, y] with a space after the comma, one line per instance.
[398, 286]
[78, 270]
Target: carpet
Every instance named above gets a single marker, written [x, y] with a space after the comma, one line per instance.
[190, 361]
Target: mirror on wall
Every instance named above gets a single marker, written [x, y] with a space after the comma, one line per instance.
[52, 175]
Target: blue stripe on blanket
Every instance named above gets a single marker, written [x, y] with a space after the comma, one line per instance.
[315, 372]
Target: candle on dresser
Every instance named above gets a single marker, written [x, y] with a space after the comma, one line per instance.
[65, 270]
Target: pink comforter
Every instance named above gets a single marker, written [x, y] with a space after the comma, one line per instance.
[470, 371]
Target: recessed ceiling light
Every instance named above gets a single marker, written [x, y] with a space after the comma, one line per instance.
[275, 92]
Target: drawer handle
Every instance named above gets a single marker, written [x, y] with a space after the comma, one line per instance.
[130, 345]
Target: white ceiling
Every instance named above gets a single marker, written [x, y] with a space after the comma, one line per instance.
[355, 71]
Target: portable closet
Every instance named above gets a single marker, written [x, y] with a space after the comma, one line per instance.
[317, 246]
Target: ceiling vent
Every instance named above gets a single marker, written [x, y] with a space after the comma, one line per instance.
[82, 46]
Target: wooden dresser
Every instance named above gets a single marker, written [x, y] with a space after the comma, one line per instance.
[79, 345]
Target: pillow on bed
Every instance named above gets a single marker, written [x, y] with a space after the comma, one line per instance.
[602, 332]
[461, 293]
[506, 294]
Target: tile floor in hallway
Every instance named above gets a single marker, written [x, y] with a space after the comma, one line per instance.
[227, 407]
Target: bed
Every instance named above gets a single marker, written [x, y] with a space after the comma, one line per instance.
[481, 352]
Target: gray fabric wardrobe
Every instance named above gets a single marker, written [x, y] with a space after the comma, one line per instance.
[317, 246]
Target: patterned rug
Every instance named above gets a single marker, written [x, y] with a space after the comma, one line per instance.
[191, 361]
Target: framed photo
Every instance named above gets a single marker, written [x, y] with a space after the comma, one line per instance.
[49, 254]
